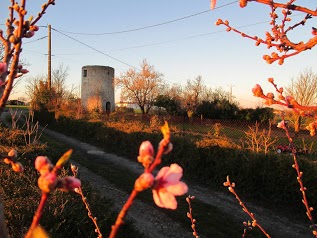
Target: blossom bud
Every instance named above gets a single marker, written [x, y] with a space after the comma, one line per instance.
[219, 22]
[43, 165]
[146, 149]
[145, 181]
[7, 161]
[68, 184]
[168, 148]
[212, 4]
[16, 7]
[29, 34]
[270, 95]
[24, 71]
[47, 182]
[243, 3]
[146, 153]
[281, 124]
[3, 68]
[257, 91]
[34, 28]
[13, 39]
[13, 153]
[17, 167]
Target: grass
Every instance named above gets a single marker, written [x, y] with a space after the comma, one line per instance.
[14, 107]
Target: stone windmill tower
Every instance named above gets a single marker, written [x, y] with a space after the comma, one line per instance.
[97, 88]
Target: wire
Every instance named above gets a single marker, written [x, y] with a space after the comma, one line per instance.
[146, 27]
[80, 42]
[187, 38]
[35, 40]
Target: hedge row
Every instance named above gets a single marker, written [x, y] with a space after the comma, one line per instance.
[269, 178]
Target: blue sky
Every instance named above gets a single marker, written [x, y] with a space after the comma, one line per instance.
[180, 50]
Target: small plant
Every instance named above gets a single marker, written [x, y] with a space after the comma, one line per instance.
[217, 129]
[259, 140]
[190, 215]
[84, 199]
[248, 224]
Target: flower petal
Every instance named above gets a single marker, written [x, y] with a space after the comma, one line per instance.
[164, 199]
[174, 174]
[177, 189]
[162, 172]
[157, 199]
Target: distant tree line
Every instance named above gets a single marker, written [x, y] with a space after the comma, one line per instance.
[215, 109]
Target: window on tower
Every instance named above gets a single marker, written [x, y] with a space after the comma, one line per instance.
[85, 73]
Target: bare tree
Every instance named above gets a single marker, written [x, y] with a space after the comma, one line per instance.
[193, 92]
[304, 91]
[304, 87]
[140, 87]
[59, 76]
[31, 84]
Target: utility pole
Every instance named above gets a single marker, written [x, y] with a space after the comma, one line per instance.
[49, 70]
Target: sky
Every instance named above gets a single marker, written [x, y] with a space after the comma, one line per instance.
[179, 38]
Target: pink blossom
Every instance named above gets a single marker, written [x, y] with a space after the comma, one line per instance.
[47, 182]
[69, 183]
[167, 186]
[3, 68]
[43, 165]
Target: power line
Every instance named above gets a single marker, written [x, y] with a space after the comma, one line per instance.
[35, 40]
[187, 38]
[80, 42]
[146, 27]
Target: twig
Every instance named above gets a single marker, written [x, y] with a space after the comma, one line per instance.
[190, 215]
[244, 208]
[78, 190]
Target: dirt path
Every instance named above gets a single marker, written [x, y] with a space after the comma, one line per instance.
[149, 221]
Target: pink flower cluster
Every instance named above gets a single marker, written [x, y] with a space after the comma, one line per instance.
[48, 180]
